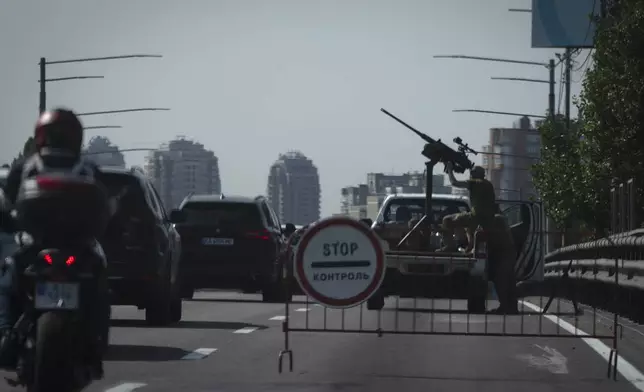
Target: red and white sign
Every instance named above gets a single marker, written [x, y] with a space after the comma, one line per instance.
[339, 262]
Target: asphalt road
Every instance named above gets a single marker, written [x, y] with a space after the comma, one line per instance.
[230, 342]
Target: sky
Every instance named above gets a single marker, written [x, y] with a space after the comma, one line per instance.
[251, 79]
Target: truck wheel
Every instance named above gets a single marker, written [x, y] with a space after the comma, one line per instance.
[376, 302]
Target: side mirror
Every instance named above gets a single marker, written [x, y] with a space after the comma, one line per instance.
[177, 216]
[367, 221]
[289, 229]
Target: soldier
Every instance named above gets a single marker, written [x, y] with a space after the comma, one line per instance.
[485, 213]
[502, 256]
[483, 201]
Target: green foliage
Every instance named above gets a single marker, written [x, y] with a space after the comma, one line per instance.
[578, 168]
[561, 175]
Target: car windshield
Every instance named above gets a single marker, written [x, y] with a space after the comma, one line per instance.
[405, 209]
[223, 213]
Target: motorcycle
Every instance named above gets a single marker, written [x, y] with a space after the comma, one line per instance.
[60, 284]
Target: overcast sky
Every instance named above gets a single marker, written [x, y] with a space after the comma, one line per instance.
[253, 78]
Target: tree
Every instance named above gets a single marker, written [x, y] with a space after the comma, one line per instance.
[612, 103]
[604, 148]
[561, 179]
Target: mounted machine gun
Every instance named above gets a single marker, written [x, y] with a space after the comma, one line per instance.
[437, 152]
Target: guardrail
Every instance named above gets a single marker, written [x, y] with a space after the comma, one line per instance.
[607, 272]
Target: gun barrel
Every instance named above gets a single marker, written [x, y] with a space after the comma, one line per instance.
[417, 132]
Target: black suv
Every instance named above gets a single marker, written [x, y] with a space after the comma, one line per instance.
[143, 248]
[231, 243]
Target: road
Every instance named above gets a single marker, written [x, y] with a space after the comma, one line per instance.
[230, 342]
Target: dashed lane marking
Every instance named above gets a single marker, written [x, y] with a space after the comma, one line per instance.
[126, 387]
[246, 330]
[302, 310]
[278, 318]
[199, 353]
[630, 372]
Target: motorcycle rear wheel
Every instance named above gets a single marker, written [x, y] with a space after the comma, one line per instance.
[53, 367]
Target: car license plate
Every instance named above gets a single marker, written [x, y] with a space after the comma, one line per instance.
[57, 295]
[210, 241]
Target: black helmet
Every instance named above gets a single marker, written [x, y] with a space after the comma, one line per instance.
[477, 172]
[59, 129]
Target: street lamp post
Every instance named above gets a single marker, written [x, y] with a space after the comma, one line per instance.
[103, 127]
[501, 113]
[550, 65]
[43, 72]
[124, 111]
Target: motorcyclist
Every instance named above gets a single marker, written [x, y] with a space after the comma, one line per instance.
[58, 139]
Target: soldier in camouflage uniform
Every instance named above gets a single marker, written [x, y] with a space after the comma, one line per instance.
[485, 213]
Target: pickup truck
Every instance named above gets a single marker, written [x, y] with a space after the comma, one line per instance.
[412, 272]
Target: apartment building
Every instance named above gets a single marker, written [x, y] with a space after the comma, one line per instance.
[182, 167]
[102, 152]
[508, 159]
[293, 189]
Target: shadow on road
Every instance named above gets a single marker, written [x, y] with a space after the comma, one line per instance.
[120, 352]
[225, 325]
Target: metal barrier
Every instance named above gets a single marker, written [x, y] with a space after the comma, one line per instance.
[425, 299]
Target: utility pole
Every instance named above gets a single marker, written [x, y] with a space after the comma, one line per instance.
[568, 77]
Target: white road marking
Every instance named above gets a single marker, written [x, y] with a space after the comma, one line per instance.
[246, 330]
[199, 353]
[278, 318]
[628, 371]
[550, 360]
[318, 305]
[127, 387]
[302, 310]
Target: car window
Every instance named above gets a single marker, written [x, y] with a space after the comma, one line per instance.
[156, 208]
[416, 209]
[223, 213]
[159, 202]
[270, 219]
[512, 213]
[275, 217]
[132, 202]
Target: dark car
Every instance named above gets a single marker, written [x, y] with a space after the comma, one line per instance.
[231, 243]
[143, 248]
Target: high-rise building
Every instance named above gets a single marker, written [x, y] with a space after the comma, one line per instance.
[102, 152]
[182, 167]
[508, 159]
[354, 201]
[294, 189]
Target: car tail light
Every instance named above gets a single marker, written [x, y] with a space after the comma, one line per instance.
[259, 235]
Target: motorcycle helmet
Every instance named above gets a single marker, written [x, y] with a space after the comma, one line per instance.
[59, 129]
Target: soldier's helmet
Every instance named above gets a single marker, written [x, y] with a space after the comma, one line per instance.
[477, 172]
